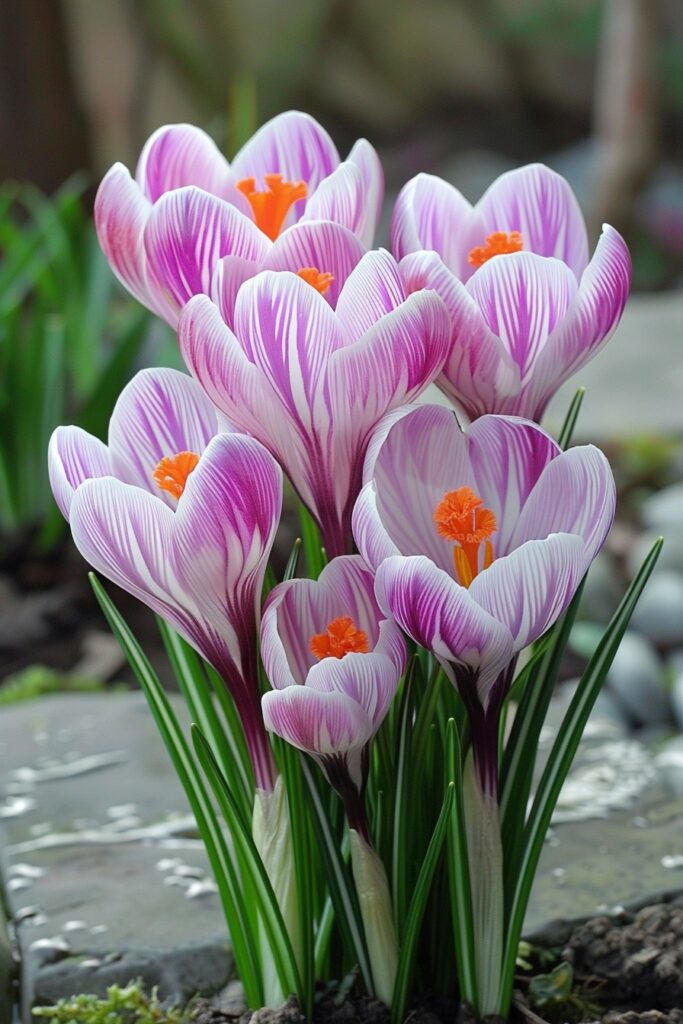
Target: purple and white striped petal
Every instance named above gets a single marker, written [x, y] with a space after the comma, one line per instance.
[589, 323]
[292, 144]
[372, 290]
[187, 233]
[299, 609]
[317, 722]
[432, 215]
[508, 457]
[522, 298]
[479, 371]
[442, 616]
[290, 333]
[74, 456]
[323, 245]
[531, 587]
[352, 195]
[159, 414]
[229, 275]
[369, 680]
[575, 493]
[121, 212]
[181, 154]
[539, 204]
[424, 454]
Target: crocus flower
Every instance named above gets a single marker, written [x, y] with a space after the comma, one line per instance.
[310, 382]
[528, 307]
[480, 539]
[191, 223]
[182, 517]
[334, 661]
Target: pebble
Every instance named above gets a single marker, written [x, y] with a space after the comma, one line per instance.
[663, 511]
[669, 761]
[635, 680]
[677, 700]
[602, 591]
[659, 614]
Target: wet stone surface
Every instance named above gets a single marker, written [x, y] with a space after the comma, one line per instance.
[104, 876]
[106, 880]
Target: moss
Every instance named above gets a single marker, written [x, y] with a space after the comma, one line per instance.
[129, 1005]
[38, 680]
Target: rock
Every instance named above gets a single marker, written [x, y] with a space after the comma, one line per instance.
[677, 700]
[659, 614]
[635, 679]
[627, 394]
[669, 761]
[670, 557]
[602, 591]
[663, 511]
[104, 875]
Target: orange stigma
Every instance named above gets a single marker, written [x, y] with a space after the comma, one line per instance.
[342, 636]
[500, 243]
[459, 516]
[318, 279]
[271, 206]
[171, 474]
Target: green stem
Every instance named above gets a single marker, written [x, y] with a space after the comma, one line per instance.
[372, 888]
[273, 839]
[485, 854]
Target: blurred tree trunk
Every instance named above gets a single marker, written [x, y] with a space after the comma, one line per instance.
[625, 109]
[43, 136]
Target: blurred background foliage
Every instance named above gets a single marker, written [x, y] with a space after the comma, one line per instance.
[463, 88]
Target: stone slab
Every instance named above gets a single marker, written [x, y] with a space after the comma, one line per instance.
[106, 879]
[104, 874]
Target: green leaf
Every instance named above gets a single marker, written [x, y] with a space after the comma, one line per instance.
[411, 932]
[459, 873]
[567, 432]
[341, 889]
[244, 942]
[519, 758]
[314, 553]
[559, 762]
[554, 989]
[403, 809]
[292, 561]
[278, 939]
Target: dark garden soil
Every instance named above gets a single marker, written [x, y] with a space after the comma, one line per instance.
[626, 971]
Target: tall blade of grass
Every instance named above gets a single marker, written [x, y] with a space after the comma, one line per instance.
[314, 553]
[241, 935]
[519, 757]
[339, 882]
[559, 762]
[403, 810]
[459, 873]
[280, 946]
[567, 432]
[233, 725]
[194, 686]
[290, 760]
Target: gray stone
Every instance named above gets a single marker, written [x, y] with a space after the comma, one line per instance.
[104, 874]
[602, 591]
[635, 679]
[663, 511]
[659, 614]
[670, 557]
[677, 700]
[669, 761]
[629, 393]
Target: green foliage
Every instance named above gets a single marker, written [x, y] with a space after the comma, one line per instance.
[127, 1005]
[68, 344]
[553, 989]
[38, 681]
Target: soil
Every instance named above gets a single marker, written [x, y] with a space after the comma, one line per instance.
[631, 967]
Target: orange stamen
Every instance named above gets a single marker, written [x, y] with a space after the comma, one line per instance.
[318, 279]
[459, 517]
[341, 637]
[171, 474]
[500, 243]
[271, 205]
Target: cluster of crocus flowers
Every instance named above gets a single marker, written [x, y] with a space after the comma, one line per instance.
[307, 350]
